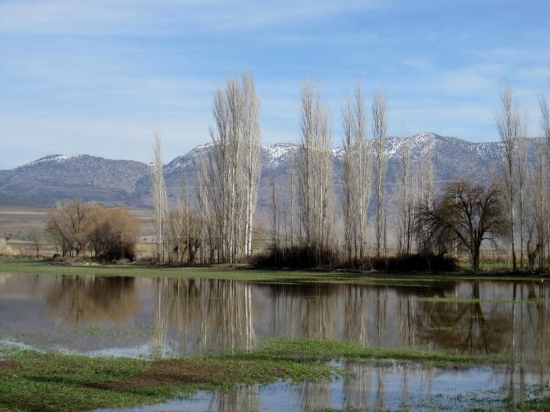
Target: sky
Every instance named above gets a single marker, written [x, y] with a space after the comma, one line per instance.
[99, 77]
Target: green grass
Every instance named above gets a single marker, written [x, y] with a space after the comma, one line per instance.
[54, 382]
[50, 382]
[47, 267]
[328, 350]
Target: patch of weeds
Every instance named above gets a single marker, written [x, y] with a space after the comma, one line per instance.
[51, 382]
[326, 350]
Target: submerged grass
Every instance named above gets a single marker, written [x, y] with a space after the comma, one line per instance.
[54, 382]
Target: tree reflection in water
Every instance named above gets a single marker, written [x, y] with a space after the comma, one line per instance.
[193, 316]
[93, 300]
[207, 315]
[245, 398]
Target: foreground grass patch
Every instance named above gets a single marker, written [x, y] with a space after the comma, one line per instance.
[32, 381]
[50, 382]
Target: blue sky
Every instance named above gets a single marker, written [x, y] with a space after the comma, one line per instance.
[99, 77]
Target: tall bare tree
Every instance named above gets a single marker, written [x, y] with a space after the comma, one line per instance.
[521, 185]
[544, 191]
[544, 119]
[232, 172]
[205, 190]
[251, 141]
[508, 123]
[537, 208]
[315, 171]
[426, 193]
[357, 176]
[406, 198]
[380, 136]
[160, 200]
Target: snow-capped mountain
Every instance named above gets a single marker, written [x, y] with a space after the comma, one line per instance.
[111, 182]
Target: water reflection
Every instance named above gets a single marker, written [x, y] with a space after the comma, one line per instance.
[374, 387]
[156, 317]
[192, 316]
[77, 299]
[198, 316]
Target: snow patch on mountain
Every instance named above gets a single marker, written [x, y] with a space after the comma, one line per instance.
[56, 158]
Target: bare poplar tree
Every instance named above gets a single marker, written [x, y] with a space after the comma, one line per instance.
[521, 184]
[291, 216]
[536, 213]
[380, 136]
[232, 171]
[426, 195]
[544, 119]
[427, 173]
[545, 131]
[205, 189]
[251, 140]
[160, 200]
[315, 172]
[508, 125]
[357, 177]
[405, 202]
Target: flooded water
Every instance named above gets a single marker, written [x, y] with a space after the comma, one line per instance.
[164, 317]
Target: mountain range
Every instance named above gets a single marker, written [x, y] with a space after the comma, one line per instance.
[55, 178]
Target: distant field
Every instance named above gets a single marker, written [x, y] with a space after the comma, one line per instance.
[18, 223]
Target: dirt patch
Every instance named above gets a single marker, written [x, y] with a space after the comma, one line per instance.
[168, 373]
[8, 366]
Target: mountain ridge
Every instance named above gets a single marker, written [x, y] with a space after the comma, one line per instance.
[110, 182]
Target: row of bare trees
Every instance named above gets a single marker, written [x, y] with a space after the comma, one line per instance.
[457, 217]
[227, 185]
[525, 181]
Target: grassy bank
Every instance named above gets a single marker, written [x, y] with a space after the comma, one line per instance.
[12, 265]
[31, 381]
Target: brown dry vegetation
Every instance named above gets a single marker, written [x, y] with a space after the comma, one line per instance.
[168, 373]
[7, 365]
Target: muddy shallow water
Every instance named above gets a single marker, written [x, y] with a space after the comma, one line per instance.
[164, 317]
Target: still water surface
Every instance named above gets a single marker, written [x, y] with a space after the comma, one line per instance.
[173, 316]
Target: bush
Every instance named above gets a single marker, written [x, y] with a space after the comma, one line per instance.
[297, 257]
[416, 263]
[300, 257]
